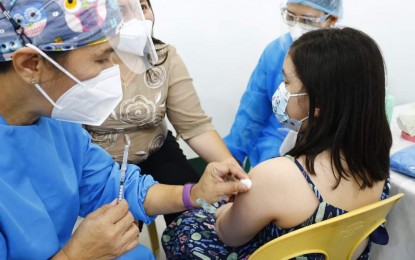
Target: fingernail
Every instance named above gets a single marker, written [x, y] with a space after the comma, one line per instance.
[114, 202]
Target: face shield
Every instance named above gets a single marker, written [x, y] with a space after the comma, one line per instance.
[133, 44]
[63, 25]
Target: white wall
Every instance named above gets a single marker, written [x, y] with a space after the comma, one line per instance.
[221, 41]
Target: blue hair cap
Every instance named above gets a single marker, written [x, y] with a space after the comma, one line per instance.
[333, 7]
[56, 25]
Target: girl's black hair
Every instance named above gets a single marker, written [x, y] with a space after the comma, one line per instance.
[343, 72]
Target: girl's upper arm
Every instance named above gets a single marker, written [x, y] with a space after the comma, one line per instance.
[253, 210]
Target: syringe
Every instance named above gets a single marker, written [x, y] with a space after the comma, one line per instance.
[124, 166]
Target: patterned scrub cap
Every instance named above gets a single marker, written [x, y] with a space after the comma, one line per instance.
[56, 25]
[333, 7]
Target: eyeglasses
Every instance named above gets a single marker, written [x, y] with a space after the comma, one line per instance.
[305, 21]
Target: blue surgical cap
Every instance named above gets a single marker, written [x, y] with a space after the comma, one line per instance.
[56, 25]
[333, 7]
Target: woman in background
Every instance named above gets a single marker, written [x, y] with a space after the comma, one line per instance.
[165, 89]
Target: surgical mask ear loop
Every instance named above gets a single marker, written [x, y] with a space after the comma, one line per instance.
[54, 63]
[302, 120]
[34, 82]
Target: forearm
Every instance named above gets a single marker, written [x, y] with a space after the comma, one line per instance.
[210, 147]
[165, 199]
[225, 229]
[219, 179]
[220, 226]
[61, 255]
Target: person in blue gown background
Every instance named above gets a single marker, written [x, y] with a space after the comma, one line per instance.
[256, 134]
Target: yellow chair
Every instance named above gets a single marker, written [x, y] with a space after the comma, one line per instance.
[336, 238]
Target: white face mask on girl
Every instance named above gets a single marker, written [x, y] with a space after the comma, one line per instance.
[289, 142]
[279, 106]
[87, 102]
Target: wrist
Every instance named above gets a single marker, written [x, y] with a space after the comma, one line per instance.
[61, 255]
[188, 201]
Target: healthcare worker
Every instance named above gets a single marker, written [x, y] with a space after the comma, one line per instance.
[56, 73]
[164, 93]
[256, 134]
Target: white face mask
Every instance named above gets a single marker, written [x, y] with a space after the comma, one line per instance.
[289, 142]
[149, 27]
[134, 36]
[297, 30]
[279, 106]
[87, 102]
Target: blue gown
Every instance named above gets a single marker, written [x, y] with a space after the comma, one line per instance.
[51, 173]
[254, 133]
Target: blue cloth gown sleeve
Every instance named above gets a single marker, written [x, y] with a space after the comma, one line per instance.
[51, 173]
[254, 119]
[3, 248]
[100, 180]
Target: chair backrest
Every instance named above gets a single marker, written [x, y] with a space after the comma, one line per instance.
[336, 238]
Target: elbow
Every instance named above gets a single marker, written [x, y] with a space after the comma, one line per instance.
[231, 244]
[226, 237]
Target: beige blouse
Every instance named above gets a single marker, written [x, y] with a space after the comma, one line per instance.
[166, 87]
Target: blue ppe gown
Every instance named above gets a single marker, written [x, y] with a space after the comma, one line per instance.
[51, 173]
[256, 133]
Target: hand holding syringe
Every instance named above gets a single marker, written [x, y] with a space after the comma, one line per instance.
[124, 166]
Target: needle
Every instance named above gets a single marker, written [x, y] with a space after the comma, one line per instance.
[123, 167]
